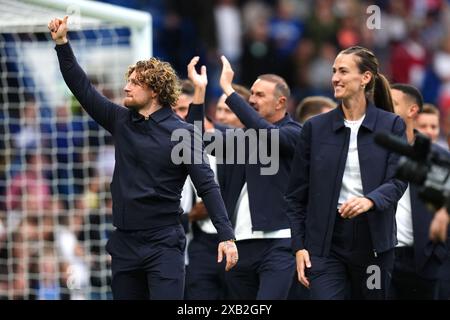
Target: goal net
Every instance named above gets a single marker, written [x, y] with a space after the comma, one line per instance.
[55, 162]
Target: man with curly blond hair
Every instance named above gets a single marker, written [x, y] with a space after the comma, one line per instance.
[147, 247]
[159, 77]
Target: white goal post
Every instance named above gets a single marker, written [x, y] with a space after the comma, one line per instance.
[140, 22]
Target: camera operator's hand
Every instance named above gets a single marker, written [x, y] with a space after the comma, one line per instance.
[439, 225]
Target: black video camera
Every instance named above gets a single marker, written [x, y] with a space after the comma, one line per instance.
[421, 165]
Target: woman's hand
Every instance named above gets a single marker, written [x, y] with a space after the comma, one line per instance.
[355, 206]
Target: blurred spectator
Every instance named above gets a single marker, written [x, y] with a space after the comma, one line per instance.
[94, 235]
[393, 24]
[320, 69]
[348, 34]
[93, 192]
[259, 52]
[229, 29]
[302, 57]
[29, 133]
[67, 143]
[30, 189]
[286, 29]
[322, 25]
[71, 253]
[48, 282]
[185, 99]
[21, 251]
[409, 58]
[224, 115]
[432, 28]
[427, 122]
[441, 65]
[205, 279]
[228, 41]
[105, 162]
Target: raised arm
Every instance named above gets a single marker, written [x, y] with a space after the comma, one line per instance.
[200, 80]
[95, 104]
[196, 114]
[288, 134]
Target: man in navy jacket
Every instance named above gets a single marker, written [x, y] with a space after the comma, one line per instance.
[254, 200]
[147, 248]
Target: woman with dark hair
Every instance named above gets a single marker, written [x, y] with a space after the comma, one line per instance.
[342, 193]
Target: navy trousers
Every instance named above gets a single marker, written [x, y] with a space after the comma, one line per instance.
[297, 290]
[352, 270]
[205, 278]
[148, 264]
[264, 272]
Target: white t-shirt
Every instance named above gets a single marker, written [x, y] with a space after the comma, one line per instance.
[244, 227]
[351, 181]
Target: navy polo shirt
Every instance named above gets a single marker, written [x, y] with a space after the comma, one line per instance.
[147, 184]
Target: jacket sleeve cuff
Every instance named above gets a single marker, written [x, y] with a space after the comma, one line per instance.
[226, 235]
[61, 47]
[372, 198]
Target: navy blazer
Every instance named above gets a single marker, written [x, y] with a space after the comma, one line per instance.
[316, 179]
[266, 192]
[231, 179]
